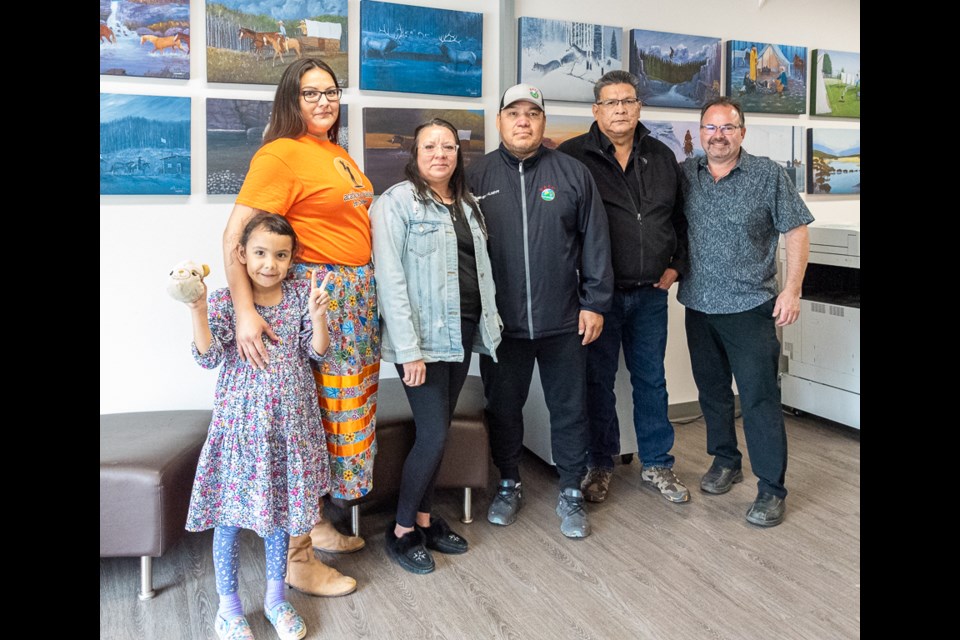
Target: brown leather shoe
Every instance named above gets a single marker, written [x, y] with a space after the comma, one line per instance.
[308, 575]
[326, 538]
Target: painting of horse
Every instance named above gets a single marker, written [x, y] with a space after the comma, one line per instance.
[420, 50]
[149, 39]
[565, 59]
[253, 41]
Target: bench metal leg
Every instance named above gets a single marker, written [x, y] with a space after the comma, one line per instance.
[146, 578]
[355, 519]
[467, 506]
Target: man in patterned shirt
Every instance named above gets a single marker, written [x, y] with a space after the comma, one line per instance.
[737, 205]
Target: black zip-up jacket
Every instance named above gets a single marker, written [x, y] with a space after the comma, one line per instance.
[644, 242]
[549, 243]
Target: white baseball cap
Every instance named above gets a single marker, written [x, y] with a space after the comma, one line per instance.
[525, 92]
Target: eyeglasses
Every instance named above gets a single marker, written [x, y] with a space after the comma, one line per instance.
[313, 95]
[629, 103]
[724, 129]
[439, 149]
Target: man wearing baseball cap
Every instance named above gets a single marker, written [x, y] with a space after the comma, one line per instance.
[550, 255]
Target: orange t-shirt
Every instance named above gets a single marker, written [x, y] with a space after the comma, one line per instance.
[318, 187]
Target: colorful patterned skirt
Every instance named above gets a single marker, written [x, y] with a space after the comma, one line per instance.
[348, 375]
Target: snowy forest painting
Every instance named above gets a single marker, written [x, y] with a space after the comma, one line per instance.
[565, 59]
[150, 39]
[420, 50]
[835, 84]
[674, 69]
[234, 133]
[766, 77]
[144, 144]
[833, 161]
[388, 137]
[253, 41]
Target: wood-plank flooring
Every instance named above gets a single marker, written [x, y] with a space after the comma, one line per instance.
[651, 569]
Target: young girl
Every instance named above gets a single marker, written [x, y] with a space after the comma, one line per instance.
[264, 465]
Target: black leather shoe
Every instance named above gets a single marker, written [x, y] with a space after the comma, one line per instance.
[409, 551]
[440, 538]
[720, 479]
[767, 510]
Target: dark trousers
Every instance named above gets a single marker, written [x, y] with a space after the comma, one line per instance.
[638, 320]
[562, 362]
[432, 404]
[743, 346]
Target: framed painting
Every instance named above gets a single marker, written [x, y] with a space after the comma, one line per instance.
[235, 130]
[420, 50]
[144, 144]
[835, 84]
[388, 137]
[253, 41]
[148, 39]
[565, 59]
[675, 70]
[833, 161]
[767, 78]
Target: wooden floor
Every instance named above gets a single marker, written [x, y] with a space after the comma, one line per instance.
[651, 569]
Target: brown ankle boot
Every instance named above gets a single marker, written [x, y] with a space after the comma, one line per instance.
[307, 574]
[326, 538]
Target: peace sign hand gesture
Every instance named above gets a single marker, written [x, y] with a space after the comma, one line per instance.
[319, 298]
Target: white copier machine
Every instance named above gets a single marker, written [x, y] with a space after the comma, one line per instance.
[822, 349]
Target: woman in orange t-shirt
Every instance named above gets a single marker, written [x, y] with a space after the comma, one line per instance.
[304, 175]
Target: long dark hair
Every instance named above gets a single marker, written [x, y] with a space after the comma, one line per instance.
[285, 119]
[458, 181]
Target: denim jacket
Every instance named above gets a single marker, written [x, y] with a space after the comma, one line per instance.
[418, 287]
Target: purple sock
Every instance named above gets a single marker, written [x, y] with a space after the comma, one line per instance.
[274, 595]
[230, 606]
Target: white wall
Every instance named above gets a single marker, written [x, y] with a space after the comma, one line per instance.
[145, 361]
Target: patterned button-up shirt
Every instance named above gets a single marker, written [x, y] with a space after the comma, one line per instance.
[734, 225]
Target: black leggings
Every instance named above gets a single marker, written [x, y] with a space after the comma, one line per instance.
[432, 404]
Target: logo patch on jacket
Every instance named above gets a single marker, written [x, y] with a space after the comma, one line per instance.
[547, 194]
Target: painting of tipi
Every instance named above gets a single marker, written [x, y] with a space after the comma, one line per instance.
[766, 77]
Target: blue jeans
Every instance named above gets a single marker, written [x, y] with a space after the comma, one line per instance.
[638, 320]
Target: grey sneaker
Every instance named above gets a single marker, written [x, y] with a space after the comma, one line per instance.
[573, 518]
[596, 484]
[666, 482]
[503, 510]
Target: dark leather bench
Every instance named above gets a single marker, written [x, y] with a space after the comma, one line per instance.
[147, 464]
[466, 460]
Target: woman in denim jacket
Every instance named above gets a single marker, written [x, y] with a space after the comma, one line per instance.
[436, 299]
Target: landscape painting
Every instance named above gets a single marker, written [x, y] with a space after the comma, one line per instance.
[235, 131]
[675, 69]
[253, 41]
[565, 59]
[833, 160]
[388, 137]
[148, 39]
[767, 78]
[782, 144]
[835, 84]
[144, 144]
[420, 50]
[559, 129]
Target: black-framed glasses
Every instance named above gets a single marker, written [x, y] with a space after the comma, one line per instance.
[629, 103]
[724, 129]
[313, 95]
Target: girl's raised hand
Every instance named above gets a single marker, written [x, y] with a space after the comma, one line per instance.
[319, 298]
